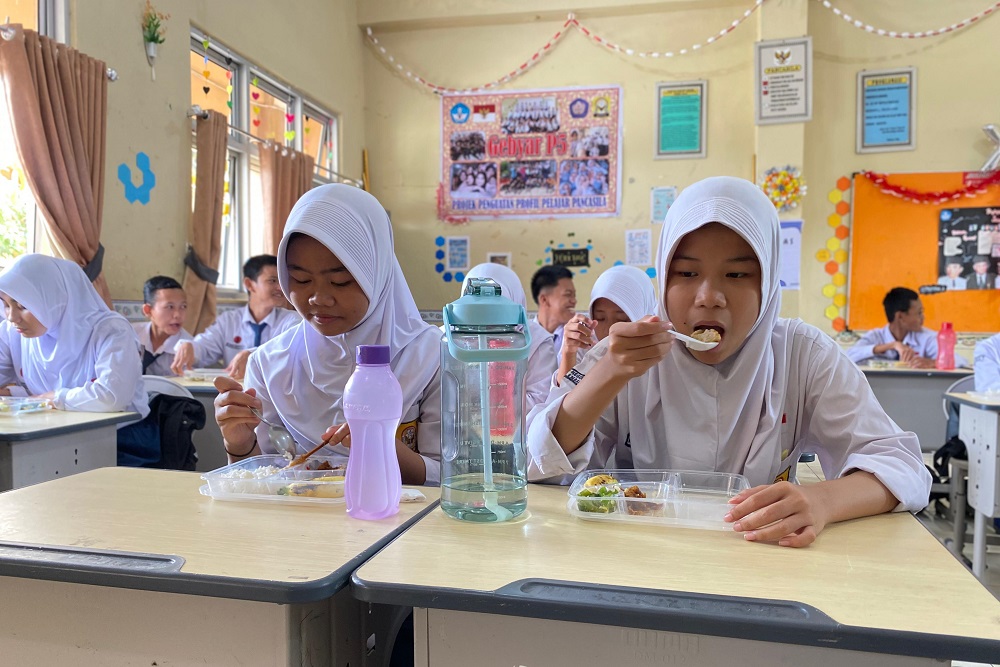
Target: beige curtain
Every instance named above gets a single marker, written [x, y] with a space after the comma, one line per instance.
[57, 99]
[205, 227]
[285, 175]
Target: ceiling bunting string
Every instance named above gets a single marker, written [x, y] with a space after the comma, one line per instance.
[882, 32]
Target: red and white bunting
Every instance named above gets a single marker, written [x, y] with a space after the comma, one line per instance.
[861, 25]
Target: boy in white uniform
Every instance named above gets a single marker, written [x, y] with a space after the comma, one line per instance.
[165, 304]
[771, 389]
[238, 332]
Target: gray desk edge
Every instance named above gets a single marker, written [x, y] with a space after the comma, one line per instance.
[111, 420]
[678, 611]
[971, 403]
[922, 372]
[175, 581]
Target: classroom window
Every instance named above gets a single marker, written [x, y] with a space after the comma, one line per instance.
[319, 139]
[211, 78]
[272, 116]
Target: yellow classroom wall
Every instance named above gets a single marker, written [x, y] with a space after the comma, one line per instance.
[312, 45]
[467, 43]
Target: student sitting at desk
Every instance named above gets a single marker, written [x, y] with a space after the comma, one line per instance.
[337, 266]
[904, 338]
[771, 389]
[61, 341]
[238, 332]
[165, 305]
[620, 294]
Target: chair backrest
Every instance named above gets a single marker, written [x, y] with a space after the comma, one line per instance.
[960, 386]
[156, 384]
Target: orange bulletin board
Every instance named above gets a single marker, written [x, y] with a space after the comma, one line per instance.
[894, 243]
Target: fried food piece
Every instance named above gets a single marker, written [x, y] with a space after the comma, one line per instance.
[707, 336]
[634, 492]
[600, 480]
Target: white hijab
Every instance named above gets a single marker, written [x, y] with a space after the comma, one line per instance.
[306, 371]
[59, 295]
[628, 288]
[720, 417]
[510, 287]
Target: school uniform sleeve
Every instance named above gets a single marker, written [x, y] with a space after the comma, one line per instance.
[546, 459]
[117, 373]
[988, 364]
[865, 348]
[210, 344]
[7, 373]
[850, 431]
[254, 378]
[538, 379]
[429, 430]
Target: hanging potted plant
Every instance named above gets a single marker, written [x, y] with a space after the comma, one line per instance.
[153, 30]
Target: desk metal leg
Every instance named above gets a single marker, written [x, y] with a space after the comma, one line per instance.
[958, 506]
[979, 545]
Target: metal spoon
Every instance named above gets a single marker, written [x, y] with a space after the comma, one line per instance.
[278, 435]
[692, 343]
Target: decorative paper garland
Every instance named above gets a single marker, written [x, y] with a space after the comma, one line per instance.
[571, 22]
[857, 23]
[784, 187]
[882, 183]
[834, 255]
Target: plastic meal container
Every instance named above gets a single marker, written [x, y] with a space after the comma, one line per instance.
[300, 485]
[18, 405]
[680, 498]
[204, 374]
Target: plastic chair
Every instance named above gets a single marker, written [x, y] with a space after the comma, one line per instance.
[156, 384]
[968, 383]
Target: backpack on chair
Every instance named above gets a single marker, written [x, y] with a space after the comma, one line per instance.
[178, 418]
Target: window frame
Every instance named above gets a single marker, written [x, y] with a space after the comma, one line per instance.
[245, 151]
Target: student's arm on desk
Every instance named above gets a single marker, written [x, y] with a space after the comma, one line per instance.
[235, 420]
[117, 371]
[871, 466]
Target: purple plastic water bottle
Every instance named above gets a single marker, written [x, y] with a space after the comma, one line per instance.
[373, 405]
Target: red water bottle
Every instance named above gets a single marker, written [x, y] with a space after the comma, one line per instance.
[946, 347]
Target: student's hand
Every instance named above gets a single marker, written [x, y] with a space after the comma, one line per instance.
[786, 513]
[4, 391]
[339, 434]
[49, 395]
[635, 347]
[183, 358]
[237, 368]
[578, 334]
[232, 413]
[922, 362]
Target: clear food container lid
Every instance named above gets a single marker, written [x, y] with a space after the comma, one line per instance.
[16, 405]
[319, 481]
[204, 374]
[683, 498]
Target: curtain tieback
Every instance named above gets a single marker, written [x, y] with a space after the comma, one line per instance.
[96, 265]
[206, 273]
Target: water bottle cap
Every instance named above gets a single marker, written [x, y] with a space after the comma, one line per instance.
[373, 355]
[946, 326]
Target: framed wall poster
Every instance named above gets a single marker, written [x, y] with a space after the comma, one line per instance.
[457, 253]
[680, 119]
[499, 258]
[887, 110]
[783, 80]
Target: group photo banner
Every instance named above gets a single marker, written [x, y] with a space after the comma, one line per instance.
[551, 153]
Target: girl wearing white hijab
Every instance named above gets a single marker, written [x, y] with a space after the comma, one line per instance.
[61, 341]
[337, 267]
[770, 390]
[620, 294]
[542, 356]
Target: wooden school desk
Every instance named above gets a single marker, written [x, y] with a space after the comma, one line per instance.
[912, 398]
[131, 566]
[551, 589]
[207, 441]
[39, 446]
[979, 429]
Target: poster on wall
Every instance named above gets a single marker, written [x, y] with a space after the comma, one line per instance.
[661, 199]
[552, 153]
[887, 109]
[680, 119]
[969, 248]
[783, 81]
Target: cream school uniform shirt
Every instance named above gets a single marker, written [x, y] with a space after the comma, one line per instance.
[231, 333]
[164, 353]
[923, 342]
[828, 409]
